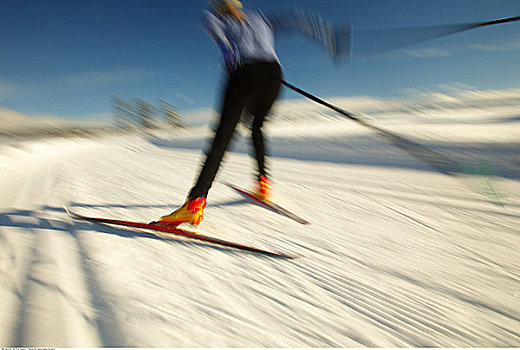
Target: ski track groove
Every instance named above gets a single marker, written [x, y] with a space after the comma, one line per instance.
[22, 292]
[385, 311]
[106, 323]
[477, 257]
[449, 292]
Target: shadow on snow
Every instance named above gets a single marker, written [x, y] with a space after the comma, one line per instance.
[398, 152]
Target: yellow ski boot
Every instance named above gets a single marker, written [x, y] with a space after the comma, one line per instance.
[191, 212]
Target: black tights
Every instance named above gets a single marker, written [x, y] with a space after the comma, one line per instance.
[253, 87]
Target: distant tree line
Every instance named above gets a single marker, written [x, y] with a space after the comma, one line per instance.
[142, 114]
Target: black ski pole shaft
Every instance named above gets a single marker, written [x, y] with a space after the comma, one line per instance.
[326, 104]
[498, 21]
[318, 100]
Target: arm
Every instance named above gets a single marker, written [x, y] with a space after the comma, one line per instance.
[213, 26]
[336, 41]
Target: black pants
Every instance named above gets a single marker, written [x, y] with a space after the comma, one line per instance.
[253, 87]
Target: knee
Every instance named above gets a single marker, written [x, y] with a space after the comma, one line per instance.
[256, 131]
[257, 124]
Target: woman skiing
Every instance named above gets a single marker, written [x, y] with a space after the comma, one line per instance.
[246, 41]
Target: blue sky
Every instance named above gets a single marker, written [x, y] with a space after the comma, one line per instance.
[68, 57]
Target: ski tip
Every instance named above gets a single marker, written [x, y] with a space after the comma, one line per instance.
[281, 255]
[229, 184]
[291, 257]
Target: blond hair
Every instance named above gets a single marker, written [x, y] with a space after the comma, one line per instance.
[222, 5]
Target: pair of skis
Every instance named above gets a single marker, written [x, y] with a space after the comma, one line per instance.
[173, 232]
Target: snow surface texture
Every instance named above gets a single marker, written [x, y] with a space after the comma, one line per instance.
[398, 254]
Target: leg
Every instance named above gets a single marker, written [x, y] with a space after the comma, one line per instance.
[259, 145]
[267, 87]
[234, 102]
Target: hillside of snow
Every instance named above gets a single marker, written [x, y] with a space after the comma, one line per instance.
[398, 254]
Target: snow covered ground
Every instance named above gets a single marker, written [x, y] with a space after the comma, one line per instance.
[398, 254]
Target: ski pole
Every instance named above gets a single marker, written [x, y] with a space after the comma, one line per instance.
[326, 104]
[317, 99]
[396, 38]
[435, 159]
[498, 21]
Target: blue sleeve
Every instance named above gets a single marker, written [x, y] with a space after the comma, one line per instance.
[336, 41]
[213, 26]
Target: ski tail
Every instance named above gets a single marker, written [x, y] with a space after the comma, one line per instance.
[269, 204]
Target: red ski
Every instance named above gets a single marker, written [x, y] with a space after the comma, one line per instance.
[170, 232]
[269, 204]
